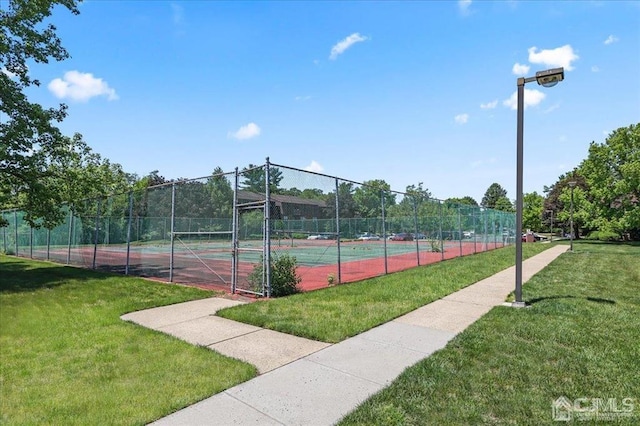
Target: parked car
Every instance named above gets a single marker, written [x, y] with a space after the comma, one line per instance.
[403, 236]
[419, 236]
[468, 234]
[369, 237]
[317, 237]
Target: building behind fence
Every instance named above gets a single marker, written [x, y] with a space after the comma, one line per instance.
[220, 230]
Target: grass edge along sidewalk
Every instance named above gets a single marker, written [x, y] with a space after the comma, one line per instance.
[66, 357]
[573, 355]
[336, 313]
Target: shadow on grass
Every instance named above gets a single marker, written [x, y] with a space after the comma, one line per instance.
[590, 299]
[20, 276]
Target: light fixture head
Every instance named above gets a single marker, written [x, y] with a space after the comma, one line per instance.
[550, 78]
[572, 183]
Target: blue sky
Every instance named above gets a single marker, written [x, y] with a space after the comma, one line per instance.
[407, 92]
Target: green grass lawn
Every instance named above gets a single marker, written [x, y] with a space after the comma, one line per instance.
[334, 314]
[67, 358]
[579, 339]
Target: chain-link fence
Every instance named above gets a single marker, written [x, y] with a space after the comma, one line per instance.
[222, 229]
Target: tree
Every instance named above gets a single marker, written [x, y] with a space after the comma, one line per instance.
[533, 204]
[494, 193]
[612, 175]
[29, 139]
[558, 200]
[254, 179]
[368, 198]
[221, 194]
[504, 204]
[346, 203]
[466, 200]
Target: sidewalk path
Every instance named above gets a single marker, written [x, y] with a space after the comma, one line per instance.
[304, 382]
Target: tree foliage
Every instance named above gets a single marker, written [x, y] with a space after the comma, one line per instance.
[612, 175]
[493, 195]
[368, 198]
[31, 146]
[254, 179]
[466, 200]
[533, 205]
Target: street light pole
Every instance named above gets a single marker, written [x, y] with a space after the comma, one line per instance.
[548, 78]
[572, 185]
[551, 234]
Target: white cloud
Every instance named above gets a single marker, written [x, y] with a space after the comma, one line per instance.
[532, 97]
[314, 167]
[611, 39]
[343, 45]
[464, 6]
[249, 131]
[79, 86]
[489, 105]
[595, 68]
[302, 98]
[519, 69]
[558, 57]
[461, 118]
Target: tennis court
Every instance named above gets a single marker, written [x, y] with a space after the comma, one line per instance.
[215, 231]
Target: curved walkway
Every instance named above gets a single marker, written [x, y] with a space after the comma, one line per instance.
[304, 382]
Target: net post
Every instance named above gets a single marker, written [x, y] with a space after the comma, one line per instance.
[126, 268]
[338, 230]
[173, 217]
[267, 227]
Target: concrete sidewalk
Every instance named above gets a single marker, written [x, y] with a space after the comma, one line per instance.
[304, 382]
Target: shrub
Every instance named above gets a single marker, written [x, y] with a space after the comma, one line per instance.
[284, 280]
[604, 236]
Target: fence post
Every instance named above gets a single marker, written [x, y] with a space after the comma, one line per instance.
[460, 228]
[338, 231]
[415, 223]
[384, 233]
[440, 229]
[95, 235]
[267, 226]
[234, 237]
[493, 226]
[48, 242]
[173, 214]
[4, 238]
[30, 242]
[15, 227]
[475, 248]
[126, 267]
[70, 235]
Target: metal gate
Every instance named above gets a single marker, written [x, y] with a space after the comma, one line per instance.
[251, 240]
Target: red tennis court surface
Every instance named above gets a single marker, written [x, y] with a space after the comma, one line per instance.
[216, 275]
